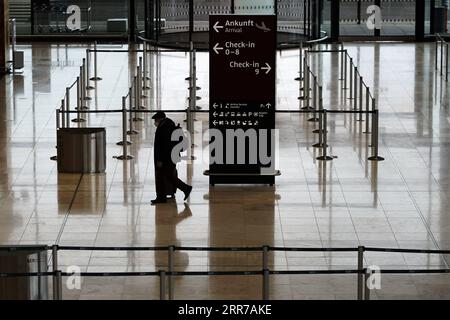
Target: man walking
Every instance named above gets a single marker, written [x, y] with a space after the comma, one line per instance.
[166, 176]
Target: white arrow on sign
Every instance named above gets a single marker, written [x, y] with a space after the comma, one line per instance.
[217, 27]
[215, 114]
[214, 122]
[267, 68]
[217, 48]
[215, 105]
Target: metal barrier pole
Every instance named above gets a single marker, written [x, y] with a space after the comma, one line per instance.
[375, 124]
[446, 62]
[170, 264]
[360, 98]
[78, 119]
[96, 77]
[351, 79]
[88, 70]
[124, 143]
[314, 100]
[141, 76]
[367, 110]
[136, 100]
[342, 62]
[355, 89]
[306, 88]
[56, 295]
[360, 270]
[145, 68]
[57, 118]
[442, 57]
[83, 75]
[320, 132]
[266, 274]
[162, 285]
[367, 274]
[67, 115]
[436, 48]
[345, 71]
[131, 131]
[300, 61]
[324, 156]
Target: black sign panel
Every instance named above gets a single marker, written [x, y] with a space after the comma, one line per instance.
[242, 84]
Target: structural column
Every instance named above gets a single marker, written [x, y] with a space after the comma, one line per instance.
[4, 35]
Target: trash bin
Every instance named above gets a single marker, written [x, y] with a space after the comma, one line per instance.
[440, 19]
[26, 260]
[81, 150]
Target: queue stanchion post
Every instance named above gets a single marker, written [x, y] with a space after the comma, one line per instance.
[436, 49]
[314, 100]
[325, 156]
[367, 274]
[131, 130]
[375, 127]
[170, 263]
[351, 79]
[355, 89]
[67, 115]
[63, 113]
[58, 111]
[300, 61]
[446, 62]
[360, 272]
[124, 143]
[342, 62]
[345, 70]
[266, 274]
[162, 285]
[83, 75]
[88, 70]
[55, 283]
[320, 129]
[79, 104]
[360, 99]
[145, 68]
[367, 110]
[442, 56]
[96, 77]
[137, 100]
[141, 75]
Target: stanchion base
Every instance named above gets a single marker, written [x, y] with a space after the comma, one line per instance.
[87, 98]
[298, 79]
[90, 88]
[367, 132]
[318, 145]
[360, 120]
[307, 108]
[313, 120]
[142, 108]
[189, 78]
[95, 79]
[196, 88]
[198, 108]
[325, 158]
[196, 98]
[376, 158]
[54, 158]
[124, 157]
[132, 132]
[146, 88]
[138, 119]
[82, 108]
[319, 131]
[79, 120]
[120, 143]
[144, 96]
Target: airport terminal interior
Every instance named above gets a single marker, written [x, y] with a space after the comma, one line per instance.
[361, 182]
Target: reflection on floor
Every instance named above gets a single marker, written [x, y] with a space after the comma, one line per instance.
[401, 202]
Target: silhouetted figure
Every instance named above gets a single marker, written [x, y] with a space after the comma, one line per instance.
[166, 176]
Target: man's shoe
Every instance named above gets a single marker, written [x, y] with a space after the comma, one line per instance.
[157, 200]
[170, 196]
[187, 193]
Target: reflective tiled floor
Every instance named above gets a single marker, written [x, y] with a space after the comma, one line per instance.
[402, 202]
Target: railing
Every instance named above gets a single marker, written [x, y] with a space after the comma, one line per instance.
[166, 275]
[441, 56]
